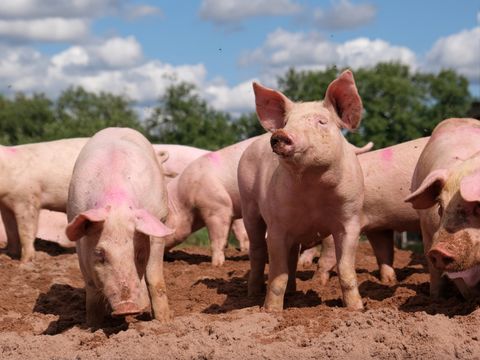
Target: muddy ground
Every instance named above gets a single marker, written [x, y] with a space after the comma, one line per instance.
[42, 315]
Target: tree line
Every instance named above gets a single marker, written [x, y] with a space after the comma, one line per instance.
[399, 105]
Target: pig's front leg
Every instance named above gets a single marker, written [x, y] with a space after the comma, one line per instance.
[327, 260]
[238, 228]
[11, 229]
[257, 254]
[346, 242]
[156, 282]
[96, 306]
[292, 269]
[26, 215]
[278, 272]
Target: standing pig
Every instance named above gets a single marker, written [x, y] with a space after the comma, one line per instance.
[387, 177]
[206, 193]
[117, 201]
[446, 192]
[34, 177]
[311, 186]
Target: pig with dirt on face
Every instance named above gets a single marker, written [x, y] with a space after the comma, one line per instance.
[309, 187]
[446, 193]
[116, 204]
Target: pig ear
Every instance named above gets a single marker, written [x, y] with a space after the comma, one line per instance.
[76, 228]
[343, 96]
[148, 224]
[162, 156]
[271, 106]
[426, 195]
[470, 187]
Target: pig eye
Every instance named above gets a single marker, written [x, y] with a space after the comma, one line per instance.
[99, 254]
[322, 120]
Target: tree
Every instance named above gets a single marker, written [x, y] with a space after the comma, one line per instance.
[23, 119]
[81, 113]
[182, 117]
[399, 105]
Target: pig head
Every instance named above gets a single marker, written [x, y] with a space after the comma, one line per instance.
[114, 248]
[454, 193]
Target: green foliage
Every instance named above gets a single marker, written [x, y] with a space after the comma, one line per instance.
[399, 106]
[182, 117]
[79, 113]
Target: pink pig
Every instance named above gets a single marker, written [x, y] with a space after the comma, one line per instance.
[387, 177]
[117, 201]
[206, 194]
[446, 193]
[34, 177]
[309, 187]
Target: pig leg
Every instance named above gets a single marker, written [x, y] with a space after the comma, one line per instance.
[218, 227]
[95, 306]
[346, 242]
[307, 256]
[382, 244]
[327, 260]
[278, 260]
[13, 240]
[292, 269]
[257, 251]
[156, 281]
[26, 215]
[238, 228]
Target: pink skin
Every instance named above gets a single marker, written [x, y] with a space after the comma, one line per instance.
[206, 194]
[178, 157]
[445, 191]
[37, 179]
[117, 201]
[387, 175]
[281, 191]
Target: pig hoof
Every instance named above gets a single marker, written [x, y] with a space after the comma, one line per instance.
[218, 259]
[322, 277]
[388, 276]
[273, 307]
[164, 317]
[354, 305]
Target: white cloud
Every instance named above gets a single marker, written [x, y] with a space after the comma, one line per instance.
[31, 9]
[223, 12]
[283, 49]
[460, 52]
[142, 11]
[120, 52]
[344, 15]
[237, 99]
[47, 29]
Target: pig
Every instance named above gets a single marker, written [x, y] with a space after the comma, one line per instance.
[35, 176]
[117, 205]
[206, 194]
[387, 176]
[311, 186]
[446, 193]
[178, 157]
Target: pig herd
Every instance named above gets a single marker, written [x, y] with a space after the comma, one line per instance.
[298, 185]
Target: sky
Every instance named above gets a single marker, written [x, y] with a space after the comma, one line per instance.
[137, 48]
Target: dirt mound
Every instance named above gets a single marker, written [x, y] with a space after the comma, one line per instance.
[42, 314]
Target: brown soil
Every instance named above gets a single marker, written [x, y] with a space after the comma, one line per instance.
[42, 315]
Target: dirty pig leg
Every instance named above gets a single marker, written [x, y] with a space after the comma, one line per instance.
[278, 255]
[257, 255]
[292, 269]
[26, 215]
[156, 281]
[327, 260]
[345, 247]
[13, 239]
[218, 228]
[238, 228]
[96, 306]
[382, 244]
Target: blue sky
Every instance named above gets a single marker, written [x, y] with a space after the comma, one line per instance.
[138, 48]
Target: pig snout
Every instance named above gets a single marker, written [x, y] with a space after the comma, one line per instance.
[282, 143]
[440, 258]
[125, 308]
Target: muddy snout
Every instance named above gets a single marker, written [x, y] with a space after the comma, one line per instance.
[441, 258]
[125, 308]
[282, 143]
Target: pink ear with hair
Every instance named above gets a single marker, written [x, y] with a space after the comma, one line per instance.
[76, 228]
[427, 193]
[271, 106]
[470, 187]
[148, 224]
[342, 95]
